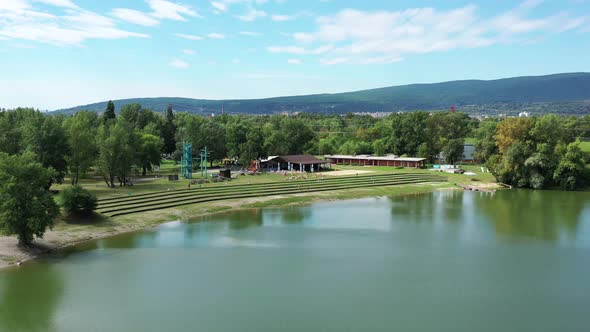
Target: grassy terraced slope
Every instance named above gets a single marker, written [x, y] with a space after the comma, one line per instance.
[162, 200]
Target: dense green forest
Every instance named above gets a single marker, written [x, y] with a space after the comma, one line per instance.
[566, 94]
[535, 152]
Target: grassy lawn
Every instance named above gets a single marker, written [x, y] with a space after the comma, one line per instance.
[152, 183]
[453, 178]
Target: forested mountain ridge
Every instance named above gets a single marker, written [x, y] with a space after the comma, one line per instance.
[559, 93]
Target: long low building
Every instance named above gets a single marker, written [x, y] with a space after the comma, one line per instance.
[369, 160]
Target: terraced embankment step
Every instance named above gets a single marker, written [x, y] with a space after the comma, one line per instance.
[166, 195]
[169, 199]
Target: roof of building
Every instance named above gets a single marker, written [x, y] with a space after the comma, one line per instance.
[390, 157]
[304, 159]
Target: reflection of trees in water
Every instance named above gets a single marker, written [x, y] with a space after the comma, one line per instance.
[538, 214]
[245, 218]
[445, 205]
[29, 298]
[294, 215]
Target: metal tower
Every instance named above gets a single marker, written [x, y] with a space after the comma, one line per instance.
[187, 160]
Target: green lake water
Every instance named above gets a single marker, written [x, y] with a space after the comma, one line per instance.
[444, 261]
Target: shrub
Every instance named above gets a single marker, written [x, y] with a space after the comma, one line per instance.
[78, 200]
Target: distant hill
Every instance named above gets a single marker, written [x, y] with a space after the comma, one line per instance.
[559, 93]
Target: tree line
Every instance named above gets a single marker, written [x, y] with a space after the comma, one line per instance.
[533, 152]
[38, 150]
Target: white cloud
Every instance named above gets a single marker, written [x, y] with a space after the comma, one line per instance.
[282, 18]
[134, 16]
[252, 15]
[189, 52]
[169, 10]
[20, 20]
[189, 37]
[250, 33]
[294, 62]
[215, 35]
[57, 3]
[380, 37]
[236, 60]
[176, 63]
[300, 49]
[219, 6]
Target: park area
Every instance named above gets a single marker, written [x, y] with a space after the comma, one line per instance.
[154, 199]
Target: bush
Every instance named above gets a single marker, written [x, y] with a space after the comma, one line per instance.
[78, 200]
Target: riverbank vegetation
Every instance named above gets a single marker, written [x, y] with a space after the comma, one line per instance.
[130, 142]
[122, 147]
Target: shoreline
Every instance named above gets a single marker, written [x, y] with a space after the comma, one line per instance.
[66, 235]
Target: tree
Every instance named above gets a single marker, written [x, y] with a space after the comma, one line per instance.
[117, 148]
[109, 112]
[486, 144]
[298, 135]
[26, 206]
[81, 134]
[453, 151]
[379, 147]
[235, 137]
[511, 130]
[570, 168]
[49, 142]
[149, 152]
[77, 200]
[254, 146]
[213, 135]
[10, 133]
[511, 167]
[169, 132]
[106, 161]
[130, 113]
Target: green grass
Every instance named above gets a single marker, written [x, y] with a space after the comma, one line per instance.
[585, 146]
[114, 207]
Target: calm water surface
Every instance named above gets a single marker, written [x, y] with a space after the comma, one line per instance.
[446, 261]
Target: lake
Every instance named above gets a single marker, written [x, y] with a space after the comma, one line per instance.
[444, 261]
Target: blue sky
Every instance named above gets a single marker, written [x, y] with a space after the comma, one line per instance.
[61, 53]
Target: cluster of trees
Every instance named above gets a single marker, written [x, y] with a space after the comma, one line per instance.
[38, 150]
[534, 152]
[531, 152]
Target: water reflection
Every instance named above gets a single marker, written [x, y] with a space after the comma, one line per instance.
[294, 215]
[29, 298]
[546, 215]
[446, 205]
[242, 219]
